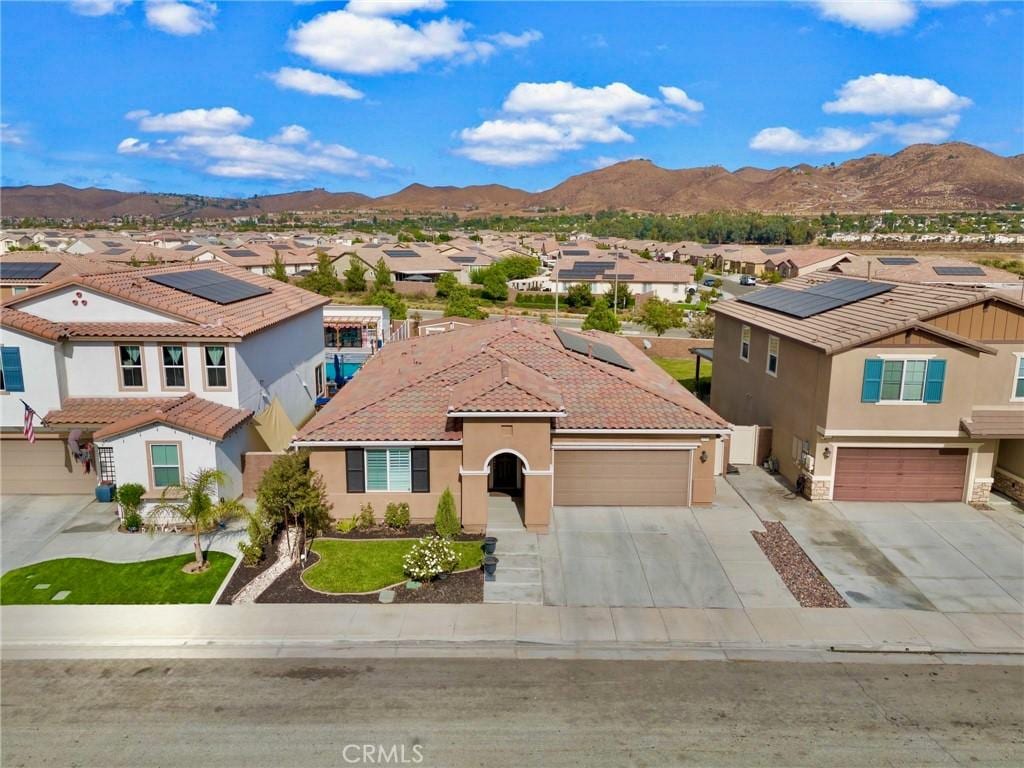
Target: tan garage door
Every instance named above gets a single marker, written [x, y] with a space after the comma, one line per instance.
[40, 468]
[622, 478]
[900, 474]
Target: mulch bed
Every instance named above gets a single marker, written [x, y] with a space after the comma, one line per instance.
[383, 532]
[801, 576]
[466, 587]
[245, 573]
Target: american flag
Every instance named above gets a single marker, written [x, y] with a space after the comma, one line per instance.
[28, 431]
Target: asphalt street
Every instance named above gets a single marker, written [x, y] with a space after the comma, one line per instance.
[489, 712]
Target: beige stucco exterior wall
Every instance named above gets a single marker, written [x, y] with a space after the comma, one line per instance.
[1011, 457]
[444, 473]
[482, 438]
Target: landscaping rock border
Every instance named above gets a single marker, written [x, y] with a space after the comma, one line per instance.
[807, 584]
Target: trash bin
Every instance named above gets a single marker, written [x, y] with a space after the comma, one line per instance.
[106, 492]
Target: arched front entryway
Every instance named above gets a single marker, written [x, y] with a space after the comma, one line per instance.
[505, 474]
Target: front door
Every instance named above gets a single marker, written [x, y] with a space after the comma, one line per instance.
[506, 473]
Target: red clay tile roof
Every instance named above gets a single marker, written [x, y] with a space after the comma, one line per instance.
[193, 316]
[37, 326]
[505, 387]
[120, 415]
[403, 393]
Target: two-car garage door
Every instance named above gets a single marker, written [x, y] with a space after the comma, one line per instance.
[900, 474]
[42, 467]
[654, 478]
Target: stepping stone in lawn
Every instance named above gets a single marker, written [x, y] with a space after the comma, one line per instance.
[41, 586]
[387, 596]
[61, 595]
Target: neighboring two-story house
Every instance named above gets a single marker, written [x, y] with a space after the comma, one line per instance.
[150, 374]
[878, 391]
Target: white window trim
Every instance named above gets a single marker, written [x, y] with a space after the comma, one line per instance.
[387, 465]
[1019, 356]
[903, 380]
[745, 329]
[768, 357]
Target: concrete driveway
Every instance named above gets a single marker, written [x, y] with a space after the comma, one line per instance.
[936, 556]
[658, 556]
[37, 528]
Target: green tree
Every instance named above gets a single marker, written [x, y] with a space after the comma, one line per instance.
[277, 269]
[445, 284]
[698, 273]
[518, 267]
[382, 277]
[579, 296]
[621, 296]
[601, 318]
[495, 287]
[462, 304]
[446, 520]
[395, 304]
[355, 276]
[323, 280]
[701, 325]
[191, 500]
[658, 315]
[293, 494]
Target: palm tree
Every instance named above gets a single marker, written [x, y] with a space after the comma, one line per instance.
[192, 502]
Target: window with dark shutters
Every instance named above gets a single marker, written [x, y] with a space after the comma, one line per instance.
[355, 481]
[420, 470]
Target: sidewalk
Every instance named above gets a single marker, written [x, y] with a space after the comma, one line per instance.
[508, 630]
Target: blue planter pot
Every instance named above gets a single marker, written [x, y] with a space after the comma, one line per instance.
[106, 493]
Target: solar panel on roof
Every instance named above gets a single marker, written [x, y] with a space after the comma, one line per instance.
[897, 261]
[26, 270]
[402, 254]
[575, 252]
[958, 270]
[813, 301]
[115, 251]
[209, 284]
[239, 252]
[462, 259]
[772, 251]
[592, 348]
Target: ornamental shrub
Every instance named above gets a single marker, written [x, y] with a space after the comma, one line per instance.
[397, 516]
[129, 496]
[429, 557]
[132, 521]
[365, 518]
[446, 521]
[347, 524]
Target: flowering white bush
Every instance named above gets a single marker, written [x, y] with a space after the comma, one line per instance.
[429, 557]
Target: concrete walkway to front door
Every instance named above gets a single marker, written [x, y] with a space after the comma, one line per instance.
[518, 578]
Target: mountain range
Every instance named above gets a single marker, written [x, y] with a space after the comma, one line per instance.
[923, 177]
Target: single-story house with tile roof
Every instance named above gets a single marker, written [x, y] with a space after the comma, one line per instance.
[799, 261]
[516, 407]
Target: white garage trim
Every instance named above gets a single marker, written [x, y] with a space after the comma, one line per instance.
[624, 447]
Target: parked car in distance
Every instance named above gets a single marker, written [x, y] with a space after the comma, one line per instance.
[710, 281]
[748, 280]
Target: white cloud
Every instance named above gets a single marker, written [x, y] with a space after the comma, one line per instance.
[603, 161]
[677, 97]
[786, 140]
[290, 155]
[880, 94]
[207, 121]
[313, 83]
[869, 15]
[98, 7]
[392, 7]
[522, 40]
[291, 134]
[929, 131]
[180, 18]
[12, 136]
[540, 121]
[345, 41]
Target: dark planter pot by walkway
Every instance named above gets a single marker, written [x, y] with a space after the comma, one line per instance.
[490, 566]
[490, 543]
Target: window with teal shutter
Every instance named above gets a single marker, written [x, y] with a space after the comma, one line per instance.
[871, 387]
[935, 379]
[12, 380]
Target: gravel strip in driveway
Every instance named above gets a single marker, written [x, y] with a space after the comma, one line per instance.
[803, 578]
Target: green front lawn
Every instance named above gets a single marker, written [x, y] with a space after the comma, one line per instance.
[96, 582]
[684, 370]
[351, 565]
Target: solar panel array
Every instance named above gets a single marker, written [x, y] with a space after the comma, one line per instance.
[239, 252]
[815, 300]
[586, 270]
[26, 270]
[576, 252]
[772, 251]
[116, 251]
[402, 254]
[592, 348]
[462, 259]
[897, 261]
[210, 284]
[959, 271]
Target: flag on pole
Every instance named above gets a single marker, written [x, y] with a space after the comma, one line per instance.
[28, 430]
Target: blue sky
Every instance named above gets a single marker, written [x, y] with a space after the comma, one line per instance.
[239, 98]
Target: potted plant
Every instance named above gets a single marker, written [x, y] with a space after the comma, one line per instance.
[490, 566]
[129, 499]
[490, 544]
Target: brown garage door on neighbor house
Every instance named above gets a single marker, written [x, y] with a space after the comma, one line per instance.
[622, 478]
[900, 474]
[41, 467]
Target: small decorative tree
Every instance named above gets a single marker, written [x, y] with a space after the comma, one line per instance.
[293, 494]
[382, 277]
[579, 296]
[446, 283]
[601, 318]
[462, 304]
[129, 497]
[446, 521]
[191, 501]
[355, 276]
[701, 325]
[277, 269]
[658, 315]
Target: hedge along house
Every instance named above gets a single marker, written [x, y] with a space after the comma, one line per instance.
[513, 407]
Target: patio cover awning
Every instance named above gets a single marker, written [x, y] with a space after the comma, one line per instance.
[1007, 423]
